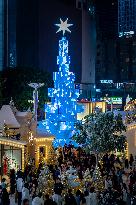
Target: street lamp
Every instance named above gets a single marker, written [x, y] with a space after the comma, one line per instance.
[35, 96]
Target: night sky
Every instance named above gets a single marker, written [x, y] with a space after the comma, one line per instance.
[49, 14]
[37, 41]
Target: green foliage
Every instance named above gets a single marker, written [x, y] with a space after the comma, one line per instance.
[101, 133]
[15, 85]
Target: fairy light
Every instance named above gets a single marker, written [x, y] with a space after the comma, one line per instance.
[23, 162]
[31, 137]
[16, 144]
[61, 114]
[44, 139]
[127, 154]
[46, 152]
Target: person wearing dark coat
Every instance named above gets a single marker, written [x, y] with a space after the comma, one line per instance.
[70, 199]
[131, 160]
[5, 197]
[12, 181]
[49, 201]
[58, 187]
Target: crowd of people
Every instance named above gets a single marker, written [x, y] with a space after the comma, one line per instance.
[118, 175]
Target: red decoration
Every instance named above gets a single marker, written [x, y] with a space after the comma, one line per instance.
[5, 165]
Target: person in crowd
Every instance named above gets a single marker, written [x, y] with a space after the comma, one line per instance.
[26, 202]
[19, 174]
[25, 192]
[93, 196]
[124, 194]
[49, 201]
[0, 194]
[58, 187]
[12, 181]
[57, 198]
[131, 160]
[70, 199]
[5, 197]
[19, 184]
[38, 200]
[126, 164]
[87, 198]
[3, 183]
[77, 197]
[82, 199]
[108, 182]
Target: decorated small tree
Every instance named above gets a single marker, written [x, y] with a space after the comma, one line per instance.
[98, 180]
[102, 133]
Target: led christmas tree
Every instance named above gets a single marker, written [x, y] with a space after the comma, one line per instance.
[61, 113]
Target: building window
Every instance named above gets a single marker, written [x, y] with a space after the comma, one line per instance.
[98, 61]
[98, 53]
[127, 60]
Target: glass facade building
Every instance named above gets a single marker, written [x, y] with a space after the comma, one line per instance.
[1, 33]
[126, 17]
[10, 33]
[7, 33]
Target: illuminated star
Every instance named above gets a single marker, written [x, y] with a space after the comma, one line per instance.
[63, 26]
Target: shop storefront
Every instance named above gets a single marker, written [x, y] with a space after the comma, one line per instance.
[11, 155]
[43, 146]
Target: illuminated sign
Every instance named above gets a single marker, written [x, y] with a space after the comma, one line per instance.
[126, 33]
[113, 100]
[106, 81]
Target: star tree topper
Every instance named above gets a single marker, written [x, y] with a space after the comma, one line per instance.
[63, 26]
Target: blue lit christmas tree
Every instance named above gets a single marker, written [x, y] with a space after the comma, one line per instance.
[61, 113]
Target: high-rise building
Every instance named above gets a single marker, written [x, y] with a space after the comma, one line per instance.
[1, 34]
[87, 8]
[10, 17]
[27, 29]
[88, 41]
[7, 33]
[127, 58]
[126, 17]
[127, 39]
[107, 33]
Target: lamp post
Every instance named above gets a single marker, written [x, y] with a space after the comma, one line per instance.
[35, 96]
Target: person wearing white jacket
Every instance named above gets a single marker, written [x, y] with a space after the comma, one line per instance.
[20, 184]
[93, 196]
[25, 192]
[87, 198]
[57, 198]
[38, 200]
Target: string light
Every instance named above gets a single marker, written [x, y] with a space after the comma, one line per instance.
[61, 114]
[17, 144]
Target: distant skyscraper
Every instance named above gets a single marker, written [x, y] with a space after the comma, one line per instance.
[88, 46]
[1, 33]
[126, 17]
[107, 34]
[7, 33]
[10, 33]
